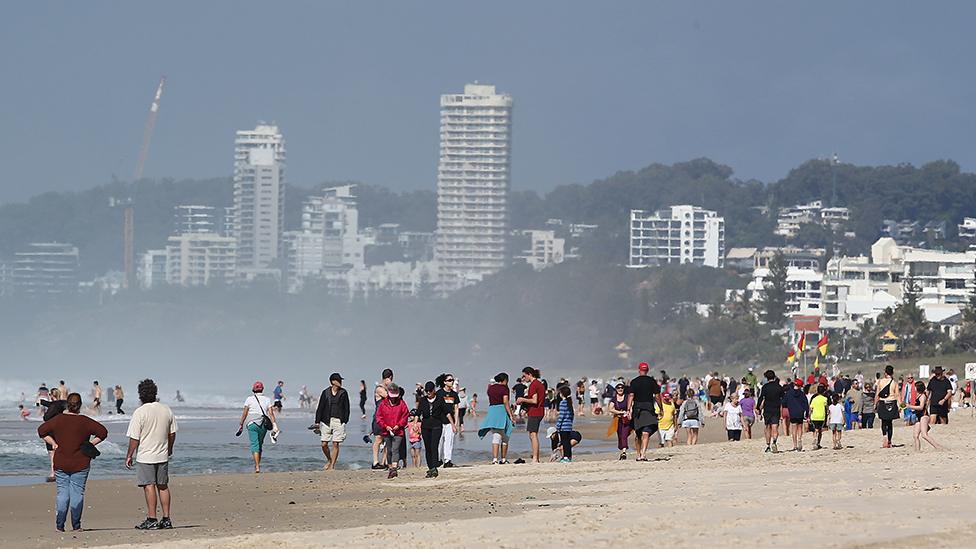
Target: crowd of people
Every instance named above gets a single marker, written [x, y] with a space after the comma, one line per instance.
[644, 412]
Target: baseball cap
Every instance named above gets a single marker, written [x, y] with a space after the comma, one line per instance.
[257, 387]
[666, 395]
[335, 377]
[550, 431]
[798, 382]
[429, 386]
[643, 367]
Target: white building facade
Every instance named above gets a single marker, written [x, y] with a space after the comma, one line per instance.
[259, 196]
[680, 234]
[473, 177]
[542, 249]
[201, 259]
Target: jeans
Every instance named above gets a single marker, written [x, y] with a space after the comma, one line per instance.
[867, 420]
[394, 452]
[71, 494]
[431, 437]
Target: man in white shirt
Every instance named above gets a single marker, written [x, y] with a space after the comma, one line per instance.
[152, 431]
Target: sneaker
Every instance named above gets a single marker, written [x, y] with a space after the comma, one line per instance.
[431, 473]
[775, 448]
[502, 462]
[623, 456]
[768, 450]
[565, 460]
[393, 474]
[164, 524]
[274, 437]
[148, 524]
[448, 464]
[377, 467]
[494, 461]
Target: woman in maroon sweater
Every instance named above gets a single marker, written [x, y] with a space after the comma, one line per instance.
[71, 435]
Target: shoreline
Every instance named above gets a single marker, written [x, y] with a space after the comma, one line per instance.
[711, 493]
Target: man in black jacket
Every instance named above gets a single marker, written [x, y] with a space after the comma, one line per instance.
[331, 418]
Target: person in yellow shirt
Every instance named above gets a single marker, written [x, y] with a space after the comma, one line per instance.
[666, 422]
[818, 413]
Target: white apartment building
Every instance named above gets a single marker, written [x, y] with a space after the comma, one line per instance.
[945, 280]
[200, 259]
[967, 229]
[259, 196]
[679, 234]
[335, 216]
[542, 249]
[790, 219]
[804, 289]
[192, 218]
[473, 177]
[46, 268]
[304, 255]
[152, 268]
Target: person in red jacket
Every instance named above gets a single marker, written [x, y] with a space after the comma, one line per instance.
[391, 416]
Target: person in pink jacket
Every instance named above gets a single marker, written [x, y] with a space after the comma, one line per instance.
[391, 416]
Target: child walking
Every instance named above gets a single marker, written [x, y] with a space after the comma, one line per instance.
[414, 437]
[836, 420]
[564, 423]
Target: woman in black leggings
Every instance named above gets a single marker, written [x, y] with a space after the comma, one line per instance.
[886, 404]
[433, 415]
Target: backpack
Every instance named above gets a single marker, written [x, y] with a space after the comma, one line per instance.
[691, 412]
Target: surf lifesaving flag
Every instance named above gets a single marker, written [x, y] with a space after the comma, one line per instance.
[791, 357]
[822, 344]
[801, 345]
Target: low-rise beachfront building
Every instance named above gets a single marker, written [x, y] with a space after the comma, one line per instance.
[804, 289]
[200, 259]
[682, 234]
[152, 268]
[46, 269]
[539, 249]
[967, 229]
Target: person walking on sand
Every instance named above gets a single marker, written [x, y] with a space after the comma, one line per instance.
[564, 424]
[836, 421]
[433, 417]
[732, 412]
[152, 431]
[666, 423]
[331, 418]
[921, 428]
[499, 419]
[939, 393]
[414, 436]
[535, 406]
[690, 414]
[618, 411]
[641, 410]
[450, 396]
[73, 437]
[748, 404]
[379, 395]
[798, 411]
[392, 416]
[854, 405]
[462, 407]
[867, 406]
[886, 404]
[818, 413]
[258, 418]
[769, 404]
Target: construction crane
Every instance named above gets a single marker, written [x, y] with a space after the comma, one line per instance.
[128, 214]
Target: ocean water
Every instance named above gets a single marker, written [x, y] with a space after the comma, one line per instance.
[206, 444]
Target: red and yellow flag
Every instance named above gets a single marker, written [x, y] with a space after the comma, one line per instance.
[801, 344]
[791, 357]
[822, 344]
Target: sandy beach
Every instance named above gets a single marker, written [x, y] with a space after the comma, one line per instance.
[721, 493]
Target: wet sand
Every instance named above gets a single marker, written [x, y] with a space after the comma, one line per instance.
[719, 494]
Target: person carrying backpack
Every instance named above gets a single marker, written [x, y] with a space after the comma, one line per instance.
[690, 416]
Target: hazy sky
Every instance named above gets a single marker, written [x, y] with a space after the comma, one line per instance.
[598, 86]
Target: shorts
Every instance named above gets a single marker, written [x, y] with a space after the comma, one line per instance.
[771, 416]
[648, 429]
[532, 424]
[594, 400]
[691, 424]
[817, 424]
[734, 434]
[750, 421]
[417, 445]
[836, 427]
[715, 399]
[666, 434]
[335, 431]
[940, 412]
[377, 430]
[796, 420]
[152, 474]
[255, 433]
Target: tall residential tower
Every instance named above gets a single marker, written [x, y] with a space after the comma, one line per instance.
[259, 196]
[472, 185]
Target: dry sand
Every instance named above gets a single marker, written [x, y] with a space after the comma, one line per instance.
[718, 494]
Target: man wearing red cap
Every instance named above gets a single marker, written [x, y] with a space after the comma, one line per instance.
[645, 395]
[796, 403]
